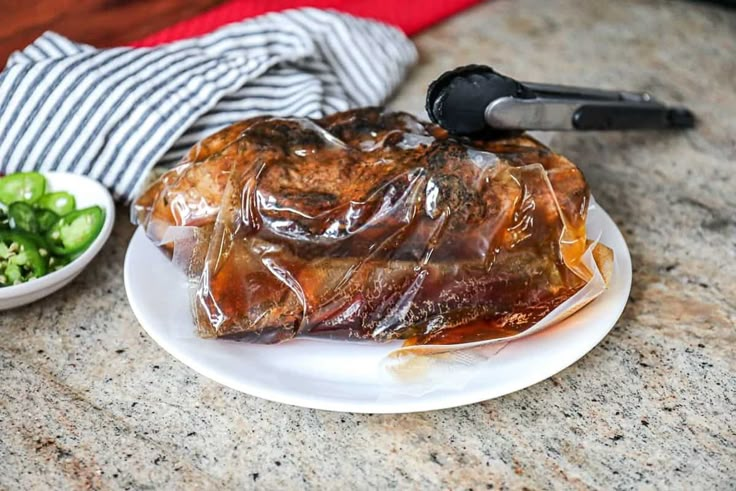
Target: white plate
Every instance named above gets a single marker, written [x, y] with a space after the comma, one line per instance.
[344, 376]
[87, 192]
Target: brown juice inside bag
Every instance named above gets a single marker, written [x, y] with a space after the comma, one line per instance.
[373, 225]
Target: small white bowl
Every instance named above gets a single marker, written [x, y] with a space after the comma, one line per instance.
[87, 192]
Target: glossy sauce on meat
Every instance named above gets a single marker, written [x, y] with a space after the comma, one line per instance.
[372, 224]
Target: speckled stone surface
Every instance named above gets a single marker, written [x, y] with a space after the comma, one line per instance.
[87, 400]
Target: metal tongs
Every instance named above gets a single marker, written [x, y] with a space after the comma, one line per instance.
[473, 99]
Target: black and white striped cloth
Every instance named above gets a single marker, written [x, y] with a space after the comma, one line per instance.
[114, 113]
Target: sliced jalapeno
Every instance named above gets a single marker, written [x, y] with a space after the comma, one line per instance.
[60, 202]
[76, 231]
[4, 225]
[58, 262]
[22, 217]
[22, 186]
[46, 219]
[20, 259]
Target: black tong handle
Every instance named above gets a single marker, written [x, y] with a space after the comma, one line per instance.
[475, 99]
[630, 117]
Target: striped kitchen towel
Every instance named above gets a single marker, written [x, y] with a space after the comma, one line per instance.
[114, 113]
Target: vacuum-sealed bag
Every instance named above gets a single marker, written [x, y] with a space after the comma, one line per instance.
[373, 225]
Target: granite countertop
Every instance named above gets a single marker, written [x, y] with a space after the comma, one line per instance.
[88, 400]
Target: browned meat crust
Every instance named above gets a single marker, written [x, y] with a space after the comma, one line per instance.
[372, 224]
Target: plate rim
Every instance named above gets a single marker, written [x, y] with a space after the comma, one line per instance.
[410, 405]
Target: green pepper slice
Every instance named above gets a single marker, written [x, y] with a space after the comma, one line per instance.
[46, 219]
[58, 262]
[60, 202]
[22, 186]
[22, 217]
[4, 225]
[20, 259]
[76, 231]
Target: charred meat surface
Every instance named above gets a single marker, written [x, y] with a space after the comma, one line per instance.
[372, 224]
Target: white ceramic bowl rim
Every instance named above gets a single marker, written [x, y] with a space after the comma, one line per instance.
[50, 279]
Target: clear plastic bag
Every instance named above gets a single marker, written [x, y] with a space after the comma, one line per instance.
[372, 225]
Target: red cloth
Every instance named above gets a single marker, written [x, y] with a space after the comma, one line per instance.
[409, 15]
